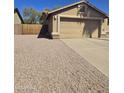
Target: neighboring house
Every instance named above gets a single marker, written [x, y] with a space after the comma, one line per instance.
[17, 17]
[81, 19]
[17, 22]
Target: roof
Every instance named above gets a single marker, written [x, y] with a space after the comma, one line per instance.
[82, 1]
[17, 11]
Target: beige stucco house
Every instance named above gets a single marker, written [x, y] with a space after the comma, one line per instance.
[17, 17]
[78, 20]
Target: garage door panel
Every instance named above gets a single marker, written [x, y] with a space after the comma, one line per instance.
[72, 27]
[76, 28]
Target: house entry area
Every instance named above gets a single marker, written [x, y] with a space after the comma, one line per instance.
[79, 28]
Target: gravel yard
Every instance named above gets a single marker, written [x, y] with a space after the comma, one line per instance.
[49, 66]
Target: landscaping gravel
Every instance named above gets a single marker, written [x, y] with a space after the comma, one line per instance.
[49, 66]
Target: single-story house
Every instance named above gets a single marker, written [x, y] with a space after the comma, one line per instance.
[17, 17]
[78, 20]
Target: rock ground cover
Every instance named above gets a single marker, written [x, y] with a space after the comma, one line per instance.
[49, 66]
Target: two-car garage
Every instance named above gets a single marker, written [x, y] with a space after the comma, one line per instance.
[78, 28]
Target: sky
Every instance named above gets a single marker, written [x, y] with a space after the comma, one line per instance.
[40, 5]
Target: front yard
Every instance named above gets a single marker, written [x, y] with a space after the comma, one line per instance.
[50, 66]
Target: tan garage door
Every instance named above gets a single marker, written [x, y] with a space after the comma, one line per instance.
[71, 28]
[77, 28]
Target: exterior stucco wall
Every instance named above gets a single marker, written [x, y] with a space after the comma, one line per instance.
[54, 22]
[69, 11]
[105, 26]
[93, 13]
[16, 19]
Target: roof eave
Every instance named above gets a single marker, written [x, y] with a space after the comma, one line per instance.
[65, 7]
[16, 10]
[86, 2]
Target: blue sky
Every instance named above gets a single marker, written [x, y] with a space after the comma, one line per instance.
[50, 4]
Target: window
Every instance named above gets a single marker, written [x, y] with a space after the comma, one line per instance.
[82, 9]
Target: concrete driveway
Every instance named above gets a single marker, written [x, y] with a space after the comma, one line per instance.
[95, 51]
[50, 66]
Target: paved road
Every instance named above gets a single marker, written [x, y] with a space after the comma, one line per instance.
[49, 66]
[95, 51]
